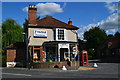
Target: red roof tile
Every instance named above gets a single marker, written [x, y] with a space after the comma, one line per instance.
[16, 45]
[51, 22]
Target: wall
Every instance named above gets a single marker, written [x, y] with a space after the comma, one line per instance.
[11, 55]
[39, 41]
[71, 36]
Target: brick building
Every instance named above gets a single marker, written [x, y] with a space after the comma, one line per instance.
[110, 48]
[49, 39]
[16, 54]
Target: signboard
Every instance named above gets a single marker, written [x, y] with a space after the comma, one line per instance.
[74, 49]
[63, 45]
[40, 34]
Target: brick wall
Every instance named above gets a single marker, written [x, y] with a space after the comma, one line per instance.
[11, 55]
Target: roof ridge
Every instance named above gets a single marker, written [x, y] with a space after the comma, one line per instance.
[58, 21]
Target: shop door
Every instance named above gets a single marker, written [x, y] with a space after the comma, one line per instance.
[36, 55]
[62, 51]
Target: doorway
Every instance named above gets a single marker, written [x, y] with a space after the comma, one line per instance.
[62, 51]
[36, 55]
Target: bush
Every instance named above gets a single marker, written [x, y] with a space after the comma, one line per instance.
[90, 53]
[3, 60]
[90, 57]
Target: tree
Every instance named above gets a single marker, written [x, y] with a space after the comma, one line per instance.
[11, 32]
[81, 45]
[117, 34]
[94, 37]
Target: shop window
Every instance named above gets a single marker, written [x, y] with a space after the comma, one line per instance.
[51, 54]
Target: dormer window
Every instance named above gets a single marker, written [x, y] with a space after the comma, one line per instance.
[59, 34]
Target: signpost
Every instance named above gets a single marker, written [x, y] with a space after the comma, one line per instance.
[75, 54]
[74, 49]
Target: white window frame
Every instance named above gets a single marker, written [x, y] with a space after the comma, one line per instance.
[65, 34]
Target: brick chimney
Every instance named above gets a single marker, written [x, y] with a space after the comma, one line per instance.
[32, 15]
[70, 21]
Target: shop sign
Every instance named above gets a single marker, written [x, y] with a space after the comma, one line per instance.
[63, 45]
[40, 33]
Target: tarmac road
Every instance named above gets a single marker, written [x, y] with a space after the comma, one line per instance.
[104, 70]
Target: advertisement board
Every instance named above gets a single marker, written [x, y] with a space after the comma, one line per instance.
[40, 34]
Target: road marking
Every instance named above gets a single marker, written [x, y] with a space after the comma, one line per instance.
[17, 74]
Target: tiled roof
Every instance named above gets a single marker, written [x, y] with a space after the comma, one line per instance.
[16, 45]
[51, 22]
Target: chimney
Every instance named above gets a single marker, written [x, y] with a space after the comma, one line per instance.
[32, 15]
[70, 21]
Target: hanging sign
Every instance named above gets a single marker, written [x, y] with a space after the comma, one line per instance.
[40, 33]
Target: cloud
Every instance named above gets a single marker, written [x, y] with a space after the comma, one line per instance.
[110, 24]
[64, 5]
[111, 7]
[25, 9]
[111, 31]
[46, 8]
[80, 35]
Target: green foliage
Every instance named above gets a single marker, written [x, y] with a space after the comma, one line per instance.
[117, 34]
[91, 53]
[95, 37]
[3, 60]
[11, 32]
[81, 45]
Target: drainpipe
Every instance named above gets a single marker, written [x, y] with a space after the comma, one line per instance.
[27, 49]
[77, 47]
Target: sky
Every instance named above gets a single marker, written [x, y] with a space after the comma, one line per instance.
[84, 15]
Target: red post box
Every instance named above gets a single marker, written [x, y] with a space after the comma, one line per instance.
[84, 58]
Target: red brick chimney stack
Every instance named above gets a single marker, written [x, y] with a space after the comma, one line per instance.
[70, 21]
[32, 15]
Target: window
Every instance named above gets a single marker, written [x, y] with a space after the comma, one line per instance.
[59, 34]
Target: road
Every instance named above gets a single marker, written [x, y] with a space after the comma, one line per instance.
[104, 70]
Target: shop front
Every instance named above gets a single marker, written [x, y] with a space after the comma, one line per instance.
[58, 51]
[52, 52]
